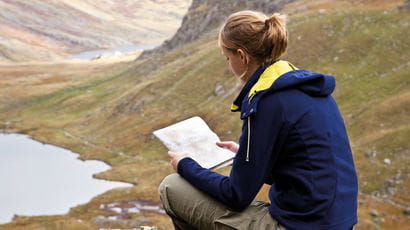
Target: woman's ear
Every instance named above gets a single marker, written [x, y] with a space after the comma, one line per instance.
[243, 56]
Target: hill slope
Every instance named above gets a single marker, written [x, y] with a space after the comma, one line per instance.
[48, 30]
[108, 112]
[205, 15]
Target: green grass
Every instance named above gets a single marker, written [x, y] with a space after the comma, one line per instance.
[367, 52]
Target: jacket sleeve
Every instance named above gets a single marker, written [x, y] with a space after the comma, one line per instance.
[246, 178]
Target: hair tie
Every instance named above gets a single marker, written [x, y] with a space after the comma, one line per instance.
[267, 22]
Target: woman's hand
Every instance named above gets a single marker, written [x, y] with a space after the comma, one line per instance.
[230, 145]
[175, 158]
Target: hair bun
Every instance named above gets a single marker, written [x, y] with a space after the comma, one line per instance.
[269, 35]
[275, 18]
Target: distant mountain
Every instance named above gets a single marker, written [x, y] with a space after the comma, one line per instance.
[205, 15]
[51, 29]
[108, 111]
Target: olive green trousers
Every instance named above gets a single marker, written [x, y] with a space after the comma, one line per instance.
[191, 208]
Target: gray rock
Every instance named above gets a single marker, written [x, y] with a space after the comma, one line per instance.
[219, 89]
[379, 220]
[116, 220]
[373, 213]
[147, 228]
[390, 183]
[362, 202]
[407, 211]
[370, 154]
[138, 222]
[405, 6]
[387, 161]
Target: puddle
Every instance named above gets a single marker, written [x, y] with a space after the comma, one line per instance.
[133, 206]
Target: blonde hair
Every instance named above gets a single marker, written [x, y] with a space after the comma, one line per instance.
[264, 39]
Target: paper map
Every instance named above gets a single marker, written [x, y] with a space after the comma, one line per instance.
[193, 136]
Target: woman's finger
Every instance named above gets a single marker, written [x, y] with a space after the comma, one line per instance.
[233, 146]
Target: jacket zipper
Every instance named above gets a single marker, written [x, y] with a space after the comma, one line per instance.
[249, 130]
[251, 97]
[249, 139]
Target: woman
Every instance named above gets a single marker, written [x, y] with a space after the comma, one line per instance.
[293, 138]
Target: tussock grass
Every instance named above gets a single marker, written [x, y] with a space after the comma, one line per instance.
[109, 112]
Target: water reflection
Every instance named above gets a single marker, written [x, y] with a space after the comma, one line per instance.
[41, 179]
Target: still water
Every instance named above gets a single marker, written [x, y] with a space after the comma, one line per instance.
[42, 179]
[123, 49]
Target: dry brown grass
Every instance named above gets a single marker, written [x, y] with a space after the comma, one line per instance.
[22, 80]
[107, 111]
[303, 7]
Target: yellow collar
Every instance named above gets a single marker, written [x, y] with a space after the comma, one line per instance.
[269, 76]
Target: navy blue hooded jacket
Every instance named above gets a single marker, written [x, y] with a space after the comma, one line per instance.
[293, 138]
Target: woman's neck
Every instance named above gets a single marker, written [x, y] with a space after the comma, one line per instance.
[252, 67]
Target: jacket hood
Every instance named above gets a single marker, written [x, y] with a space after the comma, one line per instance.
[314, 84]
[282, 75]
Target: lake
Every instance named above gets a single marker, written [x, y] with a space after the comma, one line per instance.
[42, 179]
[123, 49]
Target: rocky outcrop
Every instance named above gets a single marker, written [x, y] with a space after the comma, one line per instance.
[205, 15]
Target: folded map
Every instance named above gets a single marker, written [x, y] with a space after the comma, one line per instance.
[193, 136]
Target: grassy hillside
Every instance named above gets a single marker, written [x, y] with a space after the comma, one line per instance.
[108, 112]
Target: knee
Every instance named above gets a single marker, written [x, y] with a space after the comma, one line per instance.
[168, 182]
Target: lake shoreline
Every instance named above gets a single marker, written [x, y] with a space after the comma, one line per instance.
[19, 114]
[56, 151]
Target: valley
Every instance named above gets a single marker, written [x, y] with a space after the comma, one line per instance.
[107, 109]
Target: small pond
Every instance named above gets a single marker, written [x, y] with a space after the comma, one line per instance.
[42, 179]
